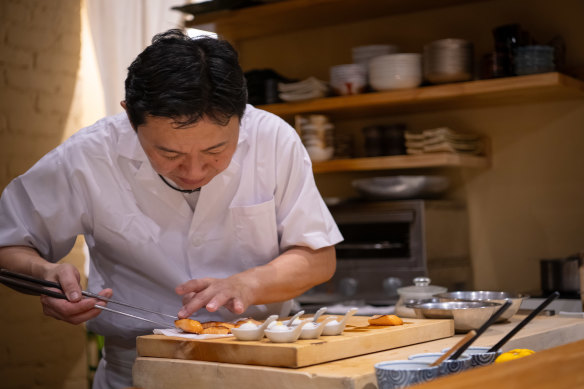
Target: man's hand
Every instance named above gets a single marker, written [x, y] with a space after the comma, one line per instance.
[73, 312]
[212, 293]
[290, 274]
[75, 309]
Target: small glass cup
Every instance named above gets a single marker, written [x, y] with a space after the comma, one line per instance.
[403, 373]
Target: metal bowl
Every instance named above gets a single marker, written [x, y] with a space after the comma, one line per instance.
[467, 315]
[488, 296]
[401, 187]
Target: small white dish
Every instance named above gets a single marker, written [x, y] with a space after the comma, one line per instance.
[285, 334]
[250, 331]
[313, 330]
[335, 327]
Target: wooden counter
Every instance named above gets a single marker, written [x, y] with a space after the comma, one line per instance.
[557, 368]
[541, 334]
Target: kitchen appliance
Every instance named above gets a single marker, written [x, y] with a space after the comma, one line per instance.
[389, 243]
[562, 275]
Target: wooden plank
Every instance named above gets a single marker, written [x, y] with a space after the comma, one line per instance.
[401, 162]
[293, 15]
[357, 372]
[480, 93]
[358, 338]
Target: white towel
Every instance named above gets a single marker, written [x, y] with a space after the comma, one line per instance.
[180, 333]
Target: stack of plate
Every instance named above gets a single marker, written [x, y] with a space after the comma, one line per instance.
[349, 79]
[448, 60]
[311, 88]
[395, 71]
[443, 139]
[534, 59]
[363, 54]
[316, 132]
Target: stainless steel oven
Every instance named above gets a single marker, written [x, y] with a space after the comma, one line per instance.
[389, 243]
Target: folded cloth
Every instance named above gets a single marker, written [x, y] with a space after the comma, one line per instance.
[180, 333]
[310, 88]
[443, 139]
[309, 84]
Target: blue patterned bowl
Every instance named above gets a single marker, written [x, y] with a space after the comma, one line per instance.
[480, 355]
[448, 366]
[400, 374]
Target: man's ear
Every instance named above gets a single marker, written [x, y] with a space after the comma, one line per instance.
[125, 107]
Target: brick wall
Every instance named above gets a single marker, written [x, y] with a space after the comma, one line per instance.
[40, 48]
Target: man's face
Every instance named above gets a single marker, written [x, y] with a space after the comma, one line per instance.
[190, 156]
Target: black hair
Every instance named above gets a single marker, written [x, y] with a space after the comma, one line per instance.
[185, 79]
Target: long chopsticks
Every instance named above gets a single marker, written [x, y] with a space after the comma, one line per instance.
[482, 329]
[32, 284]
[524, 322]
[453, 349]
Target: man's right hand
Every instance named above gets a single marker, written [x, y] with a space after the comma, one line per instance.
[75, 309]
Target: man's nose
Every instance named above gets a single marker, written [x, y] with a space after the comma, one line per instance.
[193, 167]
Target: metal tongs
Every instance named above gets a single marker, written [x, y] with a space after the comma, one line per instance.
[32, 284]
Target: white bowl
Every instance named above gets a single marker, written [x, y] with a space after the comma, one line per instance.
[402, 187]
[319, 154]
[400, 374]
[290, 335]
[395, 71]
[253, 333]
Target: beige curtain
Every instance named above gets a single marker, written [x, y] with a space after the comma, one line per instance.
[120, 30]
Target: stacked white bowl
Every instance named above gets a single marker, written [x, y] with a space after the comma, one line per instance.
[316, 132]
[395, 71]
[363, 54]
[448, 60]
[348, 79]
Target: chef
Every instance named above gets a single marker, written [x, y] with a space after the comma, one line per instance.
[191, 203]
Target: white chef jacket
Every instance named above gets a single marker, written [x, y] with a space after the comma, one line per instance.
[144, 238]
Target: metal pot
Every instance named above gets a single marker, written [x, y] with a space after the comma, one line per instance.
[560, 274]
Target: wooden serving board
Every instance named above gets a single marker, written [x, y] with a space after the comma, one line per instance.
[358, 338]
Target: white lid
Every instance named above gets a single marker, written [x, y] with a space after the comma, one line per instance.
[421, 289]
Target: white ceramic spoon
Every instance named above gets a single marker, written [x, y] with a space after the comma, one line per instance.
[335, 327]
[252, 332]
[314, 319]
[318, 314]
[287, 334]
[294, 318]
[312, 330]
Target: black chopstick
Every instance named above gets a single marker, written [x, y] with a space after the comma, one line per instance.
[10, 277]
[482, 329]
[524, 322]
[18, 283]
[31, 284]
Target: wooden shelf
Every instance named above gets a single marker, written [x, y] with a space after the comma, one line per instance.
[481, 93]
[401, 162]
[293, 15]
